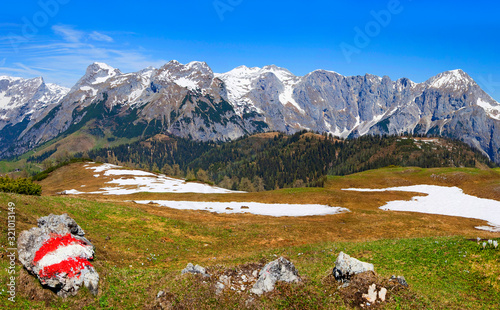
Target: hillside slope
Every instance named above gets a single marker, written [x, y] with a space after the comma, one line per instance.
[274, 160]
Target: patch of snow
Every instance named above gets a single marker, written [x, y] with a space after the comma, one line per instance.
[429, 140]
[341, 134]
[100, 80]
[454, 79]
[4, 101]
[159, 184]
[104, 66]
[128, 172]
[251, 207]
[492, 110]
[104, 167]
[136, 181]
[88, 88]
[444, 200]
[364, 127]
[57, 89]
[71, 192]
[239, 84]
[136, 93]
[184, 82]
[119, 81]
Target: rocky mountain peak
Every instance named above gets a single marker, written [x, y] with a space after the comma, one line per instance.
[195, 75]
[190, 100]
[97, 67]
[57, 89]
[453, 79]
[96, 73]
[22, 99]
[247, 86]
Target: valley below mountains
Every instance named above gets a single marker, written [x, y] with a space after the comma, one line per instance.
[191, 101]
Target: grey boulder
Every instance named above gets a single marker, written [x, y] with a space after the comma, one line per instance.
[346, 266]
[277, 270]
[190, 268]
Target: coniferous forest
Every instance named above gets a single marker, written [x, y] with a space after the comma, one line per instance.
[275, 160]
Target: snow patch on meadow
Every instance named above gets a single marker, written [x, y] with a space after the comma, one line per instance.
[250, 207]
[136, 181]
[444, 200]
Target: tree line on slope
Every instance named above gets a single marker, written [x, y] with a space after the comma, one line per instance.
[272, 161]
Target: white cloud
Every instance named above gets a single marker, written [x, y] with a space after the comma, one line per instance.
[63, 58]
[97, 36]
[68, 33]
[22, 70]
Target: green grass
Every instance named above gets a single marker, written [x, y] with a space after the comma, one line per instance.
[443, 272]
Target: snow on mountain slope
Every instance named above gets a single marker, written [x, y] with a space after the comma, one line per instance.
[491, 107]
[455, 79]
[190, 100]
[22, 99]
[241, 81]
[194, 76]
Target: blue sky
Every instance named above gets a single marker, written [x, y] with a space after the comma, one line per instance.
[58, 39]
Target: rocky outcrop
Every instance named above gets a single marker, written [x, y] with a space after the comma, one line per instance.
[277, 270]
[58, 254]
[346, 267]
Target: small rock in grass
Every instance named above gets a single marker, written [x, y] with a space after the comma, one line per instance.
[190, 268]
[382, 293]
[372, 293]
[277, 270]
[346, 266]
[219, 287]
[400, 279]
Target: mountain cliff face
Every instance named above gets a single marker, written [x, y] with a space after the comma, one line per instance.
[21, 102]
[189, 100]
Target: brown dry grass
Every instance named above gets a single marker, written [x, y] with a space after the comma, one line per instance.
[77, 142]
[365, 221]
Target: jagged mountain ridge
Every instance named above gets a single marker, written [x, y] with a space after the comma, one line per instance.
[190, 100]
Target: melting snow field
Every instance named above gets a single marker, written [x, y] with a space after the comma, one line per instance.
[250, 207]
[135, 181]
[444, 201]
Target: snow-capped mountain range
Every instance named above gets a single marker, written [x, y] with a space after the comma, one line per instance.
[190, 100]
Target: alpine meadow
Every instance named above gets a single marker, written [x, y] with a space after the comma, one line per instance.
[322, 155]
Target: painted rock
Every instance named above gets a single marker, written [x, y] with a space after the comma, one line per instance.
[58, 254]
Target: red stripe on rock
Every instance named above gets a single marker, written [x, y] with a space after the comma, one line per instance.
[71, 266]
[54, 243]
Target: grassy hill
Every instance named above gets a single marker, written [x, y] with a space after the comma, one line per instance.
[254, 163]
[140, 249]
